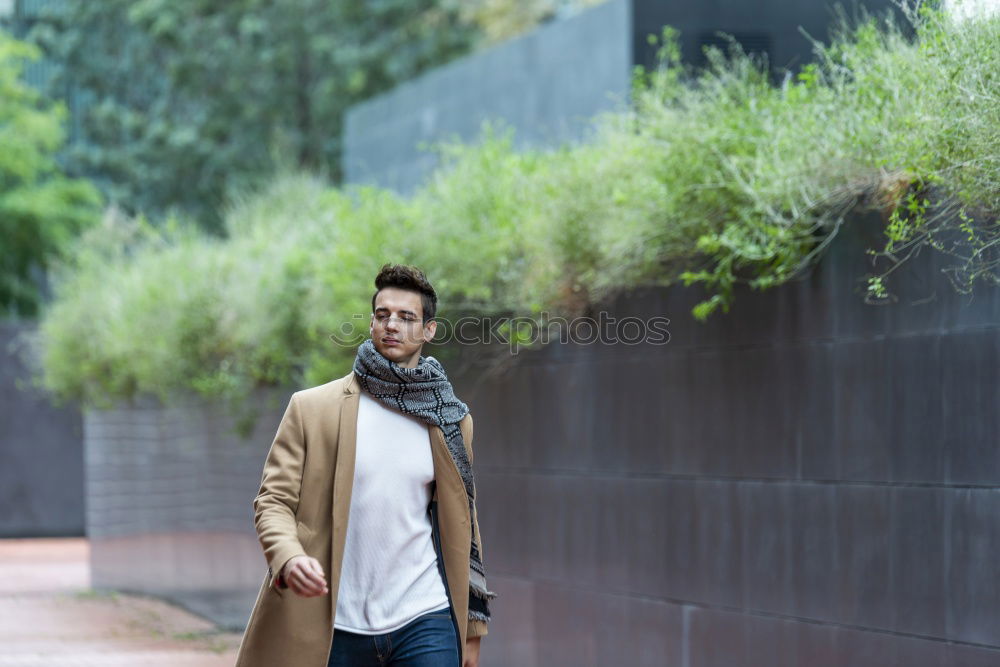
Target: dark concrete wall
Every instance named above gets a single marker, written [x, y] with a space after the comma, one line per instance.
[546, 84]
[170, 502]
[807, 480]
[771, 26]
[41, 450]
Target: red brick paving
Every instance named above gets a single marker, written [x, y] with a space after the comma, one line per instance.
[49, 616]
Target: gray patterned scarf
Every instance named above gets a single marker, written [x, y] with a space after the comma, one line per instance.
[426, 393]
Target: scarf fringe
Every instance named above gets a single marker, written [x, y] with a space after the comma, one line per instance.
[478, 616]
[483, 595]
[477, 586]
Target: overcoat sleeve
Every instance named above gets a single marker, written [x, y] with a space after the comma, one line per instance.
[278, 497]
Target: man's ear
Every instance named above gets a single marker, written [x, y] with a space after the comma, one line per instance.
[429, 330]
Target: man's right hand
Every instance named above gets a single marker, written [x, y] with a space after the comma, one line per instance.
[304, 575]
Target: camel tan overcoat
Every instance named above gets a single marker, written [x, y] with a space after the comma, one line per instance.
[302, 508]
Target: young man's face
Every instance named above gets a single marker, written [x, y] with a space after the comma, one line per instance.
[397, 326]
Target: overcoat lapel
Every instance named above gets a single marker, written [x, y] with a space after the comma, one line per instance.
[343, 479]
[455, 530]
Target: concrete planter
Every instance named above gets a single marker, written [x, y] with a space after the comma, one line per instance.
[169, 493]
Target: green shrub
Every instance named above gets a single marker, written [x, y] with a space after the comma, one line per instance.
[715, 177]
[768, 173]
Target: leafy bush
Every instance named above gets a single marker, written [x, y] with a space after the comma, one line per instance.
[715, 177]
[40, 209]
[759, 178]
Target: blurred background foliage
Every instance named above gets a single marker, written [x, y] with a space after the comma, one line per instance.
[188, 101]
[41, 209]
[715, 177]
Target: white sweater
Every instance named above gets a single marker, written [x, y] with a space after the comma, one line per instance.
[389, 574]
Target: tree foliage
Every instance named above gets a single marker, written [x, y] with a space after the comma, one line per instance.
[40, 209]
[186, 102]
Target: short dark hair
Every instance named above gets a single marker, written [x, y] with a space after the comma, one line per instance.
[408, 278]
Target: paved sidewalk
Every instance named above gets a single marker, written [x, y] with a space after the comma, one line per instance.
[49, 616]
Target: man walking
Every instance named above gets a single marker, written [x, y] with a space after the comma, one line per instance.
[369, 479]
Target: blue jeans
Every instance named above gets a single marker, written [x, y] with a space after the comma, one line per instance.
[427, 641]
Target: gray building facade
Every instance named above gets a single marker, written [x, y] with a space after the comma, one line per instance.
[546, 85]
[549, 83]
